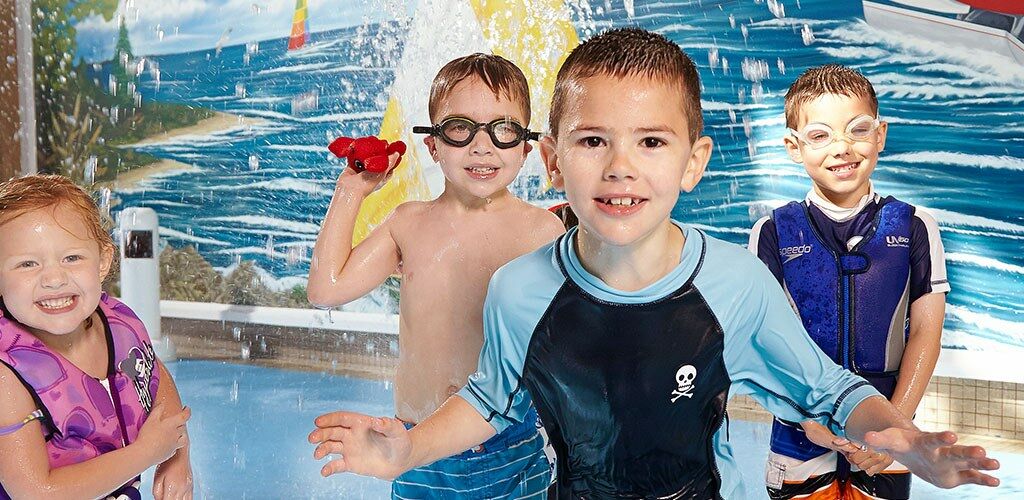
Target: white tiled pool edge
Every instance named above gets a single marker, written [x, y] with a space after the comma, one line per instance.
[282, 316]
[966, 394]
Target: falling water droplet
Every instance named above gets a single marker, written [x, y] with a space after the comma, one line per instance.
[90, 170]
[105, 201]
[807, 35]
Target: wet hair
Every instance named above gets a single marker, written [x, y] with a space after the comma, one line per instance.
[25, 194]
[629, 52]
[500, 75]
[827, 79]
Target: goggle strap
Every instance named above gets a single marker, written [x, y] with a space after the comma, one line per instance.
[436, 131]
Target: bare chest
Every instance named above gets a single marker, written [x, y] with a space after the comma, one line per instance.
[435, 250]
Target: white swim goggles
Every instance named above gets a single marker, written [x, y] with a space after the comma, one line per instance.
[819, 135]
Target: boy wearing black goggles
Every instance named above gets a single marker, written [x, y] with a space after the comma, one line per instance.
[447, 249]
[459, 132]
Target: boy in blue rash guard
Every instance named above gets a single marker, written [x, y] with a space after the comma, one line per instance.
[865, 273]
[630, 333]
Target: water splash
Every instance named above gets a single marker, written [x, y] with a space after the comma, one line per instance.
[104, 203]
[713, 57]
[807, 34]
[271, 252]
[89, 174]
[754, 70]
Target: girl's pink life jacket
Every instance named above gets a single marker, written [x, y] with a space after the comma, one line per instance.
[84, 417]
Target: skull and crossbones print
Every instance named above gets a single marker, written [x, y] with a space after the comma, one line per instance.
[685, 377]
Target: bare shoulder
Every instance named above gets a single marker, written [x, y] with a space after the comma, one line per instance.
[406, 211]
[18, 403]
[546, 224]
[406, 216]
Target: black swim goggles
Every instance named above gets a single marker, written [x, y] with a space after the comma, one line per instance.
[459, 132]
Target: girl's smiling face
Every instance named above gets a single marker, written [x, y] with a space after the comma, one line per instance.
[51, 269]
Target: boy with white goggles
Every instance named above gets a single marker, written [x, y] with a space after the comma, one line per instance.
[866, 275]
[819, 135]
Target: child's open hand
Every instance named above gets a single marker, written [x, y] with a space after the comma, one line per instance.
[866, 459]
[173, 479]
[935, 456]
[378, 447]
[164, 432]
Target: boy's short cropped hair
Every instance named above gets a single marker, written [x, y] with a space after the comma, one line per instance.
[628, 52]
[827, 79]
[500, 75]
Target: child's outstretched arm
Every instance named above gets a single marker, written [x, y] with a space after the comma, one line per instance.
[382, 447]
[339, 273]
[933, 456]
[173, 479]
[24, 463]
[921, 353]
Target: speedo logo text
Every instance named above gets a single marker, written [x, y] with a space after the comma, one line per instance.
[790, 253]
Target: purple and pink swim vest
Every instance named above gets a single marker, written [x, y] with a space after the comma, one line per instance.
[81, 419]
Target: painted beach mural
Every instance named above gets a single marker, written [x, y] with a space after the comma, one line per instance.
[217, 113]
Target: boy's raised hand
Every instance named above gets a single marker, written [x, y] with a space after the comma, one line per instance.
[935, 456]
[369, 446]
[366, 181]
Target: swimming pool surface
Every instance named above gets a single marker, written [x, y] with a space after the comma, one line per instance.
[249, 426]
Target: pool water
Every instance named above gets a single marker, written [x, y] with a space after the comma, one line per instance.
[249, 426]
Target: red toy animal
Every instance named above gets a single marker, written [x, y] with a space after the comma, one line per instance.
[367, 153]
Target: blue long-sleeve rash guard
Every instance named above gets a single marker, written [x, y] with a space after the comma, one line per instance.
[632, 386]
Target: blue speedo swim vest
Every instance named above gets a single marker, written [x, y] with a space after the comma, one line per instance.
[853, 303]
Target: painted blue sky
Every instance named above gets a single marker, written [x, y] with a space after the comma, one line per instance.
[174, 26]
